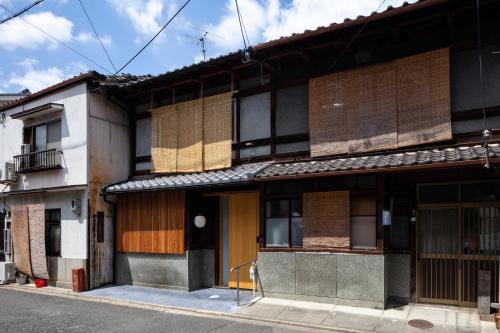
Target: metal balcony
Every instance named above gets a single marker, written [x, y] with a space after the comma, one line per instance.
[38, 161]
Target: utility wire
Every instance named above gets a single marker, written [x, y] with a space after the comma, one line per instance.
[480, 61]
[154, 37]
[486, 132]
[58, 41]
[97, 35]
[334, 63]
[242, 26]
[20, 12]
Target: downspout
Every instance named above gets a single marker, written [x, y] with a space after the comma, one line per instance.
[113, 218]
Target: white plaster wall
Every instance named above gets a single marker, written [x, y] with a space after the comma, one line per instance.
[73, 139]
[73, 226]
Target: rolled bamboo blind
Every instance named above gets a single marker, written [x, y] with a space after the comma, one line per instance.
[189, 136]
[326, 219]
[424, 111]
[217, 124]
[371, 108]
[21, 239]
[164, 139]
[192, 136]
[328, 114]
[385, 106]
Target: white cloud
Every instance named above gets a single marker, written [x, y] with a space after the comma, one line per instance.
[87, 37]
[36, 79]
[144, 15]
[269, 19]
[17, 34]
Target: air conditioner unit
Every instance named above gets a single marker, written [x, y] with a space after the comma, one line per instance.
[7, 272]
[25, 148]
[9, 173]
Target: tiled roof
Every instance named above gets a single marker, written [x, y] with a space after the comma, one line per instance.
[382, 161]
[235, 175]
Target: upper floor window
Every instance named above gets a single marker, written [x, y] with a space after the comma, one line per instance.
[44, 136]
[271, 123]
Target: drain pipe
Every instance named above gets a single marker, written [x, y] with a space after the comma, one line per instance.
[114, 205]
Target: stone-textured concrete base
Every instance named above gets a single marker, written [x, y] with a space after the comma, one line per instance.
[60, 274]
[336, 278]
[189, 271]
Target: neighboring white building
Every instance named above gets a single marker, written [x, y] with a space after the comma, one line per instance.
[65, 143]
[9, 97]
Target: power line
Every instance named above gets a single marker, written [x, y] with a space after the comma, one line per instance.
[96, 34]
[334, 63]
[20, 12]
[242, 27]
[58, 41]
[154, 37]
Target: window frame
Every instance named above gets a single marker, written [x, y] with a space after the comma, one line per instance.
[289, 199]
[274, 139]
[49, 223]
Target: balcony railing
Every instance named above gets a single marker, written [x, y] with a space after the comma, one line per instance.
[38, 161]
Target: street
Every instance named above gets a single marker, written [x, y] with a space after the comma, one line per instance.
[31, 312]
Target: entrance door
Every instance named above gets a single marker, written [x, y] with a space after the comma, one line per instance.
[454, 243]
[243, 229]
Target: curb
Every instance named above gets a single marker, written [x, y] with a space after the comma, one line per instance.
[177, 309]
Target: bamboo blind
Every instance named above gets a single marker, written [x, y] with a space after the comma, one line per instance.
[189, 136]
[396, 104]
[164, 139]
[328, 114]
[326, 219]
[424, 111]
[371, 108]
[21, 239]
[36, 221]
[192, 136]
[151, 222]
[217, 134]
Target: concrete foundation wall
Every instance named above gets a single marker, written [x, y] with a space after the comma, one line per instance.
[189, 271]
[349, 279]
[60, 274]
[399, 277]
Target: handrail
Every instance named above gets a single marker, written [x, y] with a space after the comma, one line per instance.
[38, 152]
[239, 266]
[256, 276]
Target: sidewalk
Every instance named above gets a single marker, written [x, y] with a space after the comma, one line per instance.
[286, 312]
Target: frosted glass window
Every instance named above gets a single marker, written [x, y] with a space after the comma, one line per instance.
[292, 105]
[297, 232]
[363, 232]
[292, 147]
[277, 232]
[255, 151]
[40, 137]
[255, 117]
[143, 137]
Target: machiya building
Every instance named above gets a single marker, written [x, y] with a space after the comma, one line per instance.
[351, 172]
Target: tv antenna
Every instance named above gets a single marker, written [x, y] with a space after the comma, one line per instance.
[202, 42]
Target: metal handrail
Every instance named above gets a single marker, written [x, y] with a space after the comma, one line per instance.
[256, 275]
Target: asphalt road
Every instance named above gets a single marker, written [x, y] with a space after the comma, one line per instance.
[30, 312]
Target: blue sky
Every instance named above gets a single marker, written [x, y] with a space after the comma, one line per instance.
[31, 59]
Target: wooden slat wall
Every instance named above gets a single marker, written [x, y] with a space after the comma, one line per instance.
[401, 103]
[424, 111]
[164, 139]
[151, 222]
[371, 108]
[217, 124]
[326, 219]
